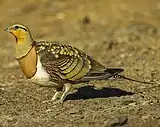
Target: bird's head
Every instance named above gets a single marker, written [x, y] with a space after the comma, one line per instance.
[23, 37]
[20, 32]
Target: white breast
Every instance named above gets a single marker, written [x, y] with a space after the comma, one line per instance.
[41, 77]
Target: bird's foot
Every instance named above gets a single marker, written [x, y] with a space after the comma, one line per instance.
[47, 101]
[58, 102]
[54, 102]
[50, 101]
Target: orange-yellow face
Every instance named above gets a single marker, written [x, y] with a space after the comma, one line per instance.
[19, 31]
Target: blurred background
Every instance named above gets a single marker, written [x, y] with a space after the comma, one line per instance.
[103, 29]
[117, 33]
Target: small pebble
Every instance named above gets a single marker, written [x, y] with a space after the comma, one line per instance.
[117, 121]
[86, 20]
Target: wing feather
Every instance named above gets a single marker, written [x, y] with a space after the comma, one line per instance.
[76, 70]
[65, 61]
[68, 64]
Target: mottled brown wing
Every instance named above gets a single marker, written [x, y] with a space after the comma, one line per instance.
[64, 62]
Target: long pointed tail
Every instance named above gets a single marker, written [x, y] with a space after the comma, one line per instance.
[133, 80]
[153, 84]
[108, 73]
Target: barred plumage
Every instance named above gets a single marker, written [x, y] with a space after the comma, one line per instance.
[55, 62]
[69, 63]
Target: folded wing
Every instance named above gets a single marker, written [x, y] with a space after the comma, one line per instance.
[68, 64]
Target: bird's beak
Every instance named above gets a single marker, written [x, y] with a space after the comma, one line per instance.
[8, 29]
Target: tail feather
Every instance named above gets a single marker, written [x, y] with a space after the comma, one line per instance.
[108, 73]
[133, 80]
[113, 71]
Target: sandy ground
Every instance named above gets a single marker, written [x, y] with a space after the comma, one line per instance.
[116, 33]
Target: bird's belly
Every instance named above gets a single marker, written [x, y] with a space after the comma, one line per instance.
[40, 81]
[41, 77]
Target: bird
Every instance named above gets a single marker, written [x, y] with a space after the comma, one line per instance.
[53, 64]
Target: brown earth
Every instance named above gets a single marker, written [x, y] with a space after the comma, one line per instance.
[117, 33]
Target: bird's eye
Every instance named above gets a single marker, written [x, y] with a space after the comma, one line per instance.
[16, 27]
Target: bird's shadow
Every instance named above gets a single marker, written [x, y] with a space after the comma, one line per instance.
[89, 92]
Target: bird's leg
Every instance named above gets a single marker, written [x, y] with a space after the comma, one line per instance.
[55, 96]
[67, 89]
[58, 90]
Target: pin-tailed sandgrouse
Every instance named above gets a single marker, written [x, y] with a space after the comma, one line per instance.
[54, 64]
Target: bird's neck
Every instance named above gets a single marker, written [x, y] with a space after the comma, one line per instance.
[27, 59]
[23, 45]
